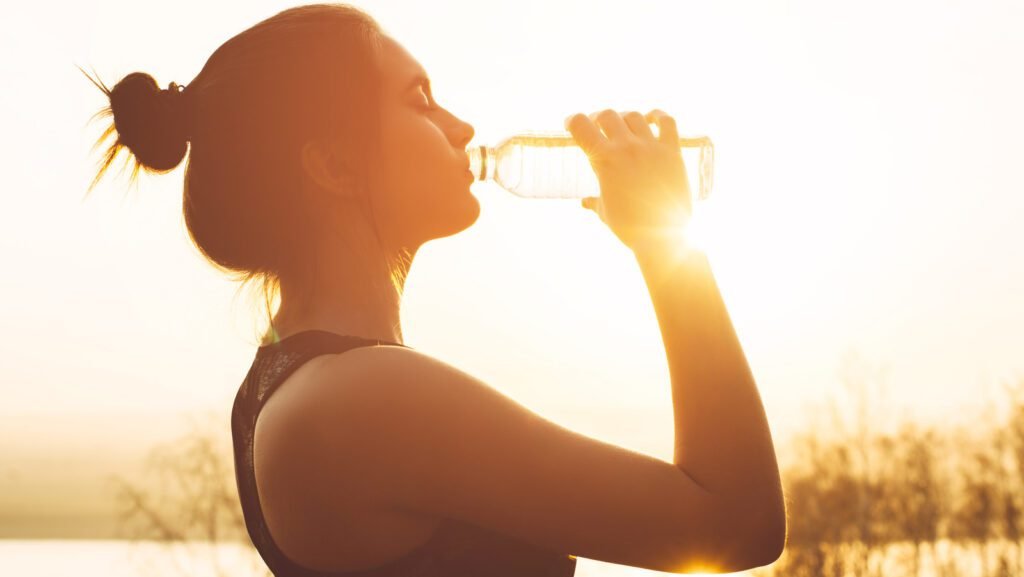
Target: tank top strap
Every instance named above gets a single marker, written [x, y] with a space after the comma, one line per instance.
[275, 362]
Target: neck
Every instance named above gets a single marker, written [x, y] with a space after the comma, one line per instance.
[353, 294]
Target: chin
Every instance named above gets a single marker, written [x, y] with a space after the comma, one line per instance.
[475, 212]
[463, 216]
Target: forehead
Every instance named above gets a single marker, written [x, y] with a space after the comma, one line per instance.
[398, 66]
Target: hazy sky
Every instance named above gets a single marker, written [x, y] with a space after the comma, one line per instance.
[866, 206]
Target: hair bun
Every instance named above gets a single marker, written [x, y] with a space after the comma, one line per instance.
[150, 121]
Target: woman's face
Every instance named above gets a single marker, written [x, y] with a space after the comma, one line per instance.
[425, 193]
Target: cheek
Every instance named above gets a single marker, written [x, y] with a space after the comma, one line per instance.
[418, 159]
[417, 150]
[420, 196]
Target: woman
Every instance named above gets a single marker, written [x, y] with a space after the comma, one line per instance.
[318, 164]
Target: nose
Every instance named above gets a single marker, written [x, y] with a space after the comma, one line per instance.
[463, 132]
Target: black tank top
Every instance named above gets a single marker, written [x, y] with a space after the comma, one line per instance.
[456, 549]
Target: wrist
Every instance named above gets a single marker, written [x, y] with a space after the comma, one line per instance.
[664, 248]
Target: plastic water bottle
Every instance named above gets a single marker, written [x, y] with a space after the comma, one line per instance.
[552, 165]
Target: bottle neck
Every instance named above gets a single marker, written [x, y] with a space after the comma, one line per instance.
[481, 162]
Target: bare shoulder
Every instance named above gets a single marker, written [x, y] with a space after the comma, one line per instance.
[382, 382]
[388, 393]
[329, 378]
[323, 511]
[331, 409]
[370, 413]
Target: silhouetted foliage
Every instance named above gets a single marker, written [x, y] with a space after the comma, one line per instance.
[188, 505]
[920, 501]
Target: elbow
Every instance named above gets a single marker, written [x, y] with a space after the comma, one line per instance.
[735, 550]
[754, 531]
[743, 538]
[763, 540]
[764, 552]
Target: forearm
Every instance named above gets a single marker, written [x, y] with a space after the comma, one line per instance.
[722, 438]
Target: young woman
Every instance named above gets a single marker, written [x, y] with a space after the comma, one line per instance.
[318, 164]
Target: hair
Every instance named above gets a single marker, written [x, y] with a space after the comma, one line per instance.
[309, 72]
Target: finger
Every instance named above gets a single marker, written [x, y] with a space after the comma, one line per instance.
[612, 124]
[588, 202]
[667, 132]
[638, 124]
[584, 131]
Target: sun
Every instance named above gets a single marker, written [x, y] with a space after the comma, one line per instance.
[695, 233]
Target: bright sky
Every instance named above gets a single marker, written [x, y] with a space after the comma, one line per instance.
[867, 205]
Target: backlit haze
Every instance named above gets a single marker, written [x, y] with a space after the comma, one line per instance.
[865, 217]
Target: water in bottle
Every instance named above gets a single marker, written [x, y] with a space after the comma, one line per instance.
[552, 165]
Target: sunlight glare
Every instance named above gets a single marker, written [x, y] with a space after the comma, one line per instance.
[695, 233]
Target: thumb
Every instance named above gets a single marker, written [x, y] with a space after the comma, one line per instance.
[588, 202]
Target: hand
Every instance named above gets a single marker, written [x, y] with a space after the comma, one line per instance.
[645, 193]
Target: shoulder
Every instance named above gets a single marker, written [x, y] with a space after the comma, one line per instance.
[386, 374]
[312, 490]
[386, 389]
[372, 411]
[345, 403]
[380, 360]
[358, 427]
[324, 423]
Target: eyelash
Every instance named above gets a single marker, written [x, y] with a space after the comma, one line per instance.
[429, 105]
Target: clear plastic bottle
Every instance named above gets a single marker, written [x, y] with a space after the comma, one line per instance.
[551, 165]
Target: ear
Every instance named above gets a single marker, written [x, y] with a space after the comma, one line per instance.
[324, 167]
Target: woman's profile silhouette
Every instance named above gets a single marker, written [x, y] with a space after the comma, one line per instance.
[318, 164]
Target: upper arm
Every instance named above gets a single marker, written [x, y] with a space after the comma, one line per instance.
[432, 439]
